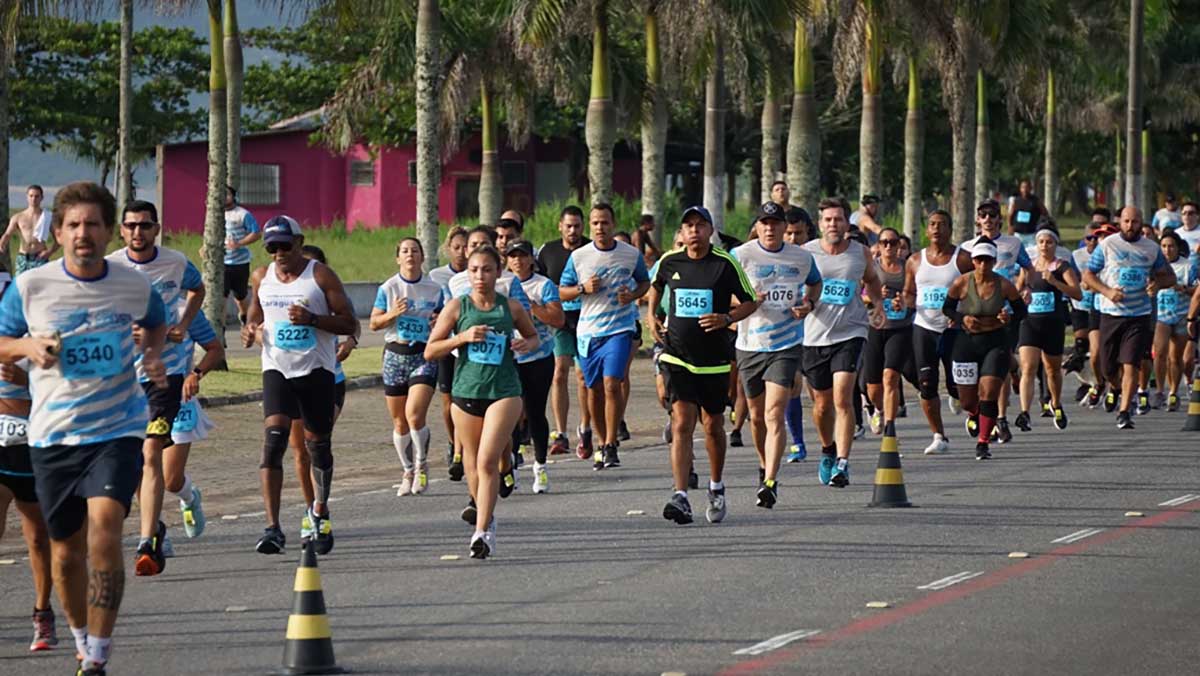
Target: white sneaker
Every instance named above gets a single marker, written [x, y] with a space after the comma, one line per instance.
[953, 405]
[938, 446]
[406, 484]
[420, 481]
[876, 422]
[859, 431]
[541, 479]
[483, 544]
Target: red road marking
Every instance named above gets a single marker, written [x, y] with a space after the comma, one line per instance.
[950, 594]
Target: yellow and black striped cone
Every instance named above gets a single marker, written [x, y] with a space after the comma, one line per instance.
[889, 478]
[1192, 424]
[309, 648]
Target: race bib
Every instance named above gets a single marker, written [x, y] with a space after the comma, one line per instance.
[892, 314]
[779, 296]
[932, 298]
[490, 351]
[91, 355]
[1168, 303]
[294, 338]
[693, 302]
[185, 421]
[1041, 302]
[412, 329]
[13, 430]
[1024, 216]
[1131, 279]
[838, 291]
[1089, 300]
[965, 373]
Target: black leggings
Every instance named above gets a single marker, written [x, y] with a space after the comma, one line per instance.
[536, 377]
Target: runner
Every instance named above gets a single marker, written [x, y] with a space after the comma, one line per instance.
[799, 227]
[888, 352]
[241, 230]
[299, 305]
[1041, 339]
[1189, 231]
[1120, 270]
[487, 388]
[834, 333]
[405, 306]
[1023, 214]
[536, 367]
[866, 219]
[455, 249]
[74, 322]
[609, 276]
[552, 259]
[1170, 331]
[643, 240]
[978, 301]
[702, 280]
[770, 341]
[178, 283]
[1081, 309]
[32, 224]
[1168, 216]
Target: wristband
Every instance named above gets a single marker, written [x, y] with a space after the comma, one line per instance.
[313, 320]
[198, 373]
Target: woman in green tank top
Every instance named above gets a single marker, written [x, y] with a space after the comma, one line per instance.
[487, 390]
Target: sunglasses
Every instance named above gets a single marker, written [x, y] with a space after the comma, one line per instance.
[140, 225]
[1089, 238]
[279, 246]
[889, 242]
[1190, 212]
[988, 214]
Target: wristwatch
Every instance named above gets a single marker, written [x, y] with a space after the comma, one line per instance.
[198, 373]
[728, 319]
[313, 320]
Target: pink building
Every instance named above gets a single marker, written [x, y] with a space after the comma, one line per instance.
[282, 172]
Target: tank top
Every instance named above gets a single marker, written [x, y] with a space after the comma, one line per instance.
[893, 286]
[933, 281]
[486, 370]
[976, 306]
[294, 351]
[839, 314]
[1044, 297]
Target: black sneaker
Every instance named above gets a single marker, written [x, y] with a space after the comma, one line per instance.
[623, 432]
[323, 531]
[1143, 402]
[972, 425]
[92, 671]
[1022, 422]
[1060, 418]
[1081, 392]
[1002, 430]
[982, 452]
[456, 468]
[1093, 398]
[1111, 400]
[1074, 363]
[735, 439]
[508, 482]
[598, 459]
[768, 494]
[611, 459]
[902, 412]
[469, 513]
[271, 542]
[678, 509]
[1124, 422]
[693, 478]
[150, 560]
[519, 457]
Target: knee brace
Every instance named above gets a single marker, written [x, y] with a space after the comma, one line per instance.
[989, 408]
[927, 383]
[274, 446]
[320, 452]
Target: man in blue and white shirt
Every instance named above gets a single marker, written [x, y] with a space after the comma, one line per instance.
[74, 321]
[241, 230]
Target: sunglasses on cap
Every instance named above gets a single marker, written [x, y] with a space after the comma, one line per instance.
[279, 246]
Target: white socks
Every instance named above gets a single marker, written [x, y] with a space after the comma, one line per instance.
[403, 444]
[81, 640]
[420, 443]
[185, 492]
[98, 650]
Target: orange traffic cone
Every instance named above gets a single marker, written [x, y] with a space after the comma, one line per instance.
[309, 648]
[889, 478]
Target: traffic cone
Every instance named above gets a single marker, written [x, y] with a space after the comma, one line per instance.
[309, 648]
[1192, 424]
[889, 478]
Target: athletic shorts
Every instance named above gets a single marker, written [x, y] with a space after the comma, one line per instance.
[756, 369]
[608, 357]
[445, 374]
[309, 398]
[1125, 340]
[164, 407]
[1179, 328]
[474, 407]
[66, 476]
[16, 472]
[1094, 320]
[402, 371]
[1080, 319]
[888, 349]
[931, 349]
[27, 262]
[339, 395]
[564, 344]
[709, 391]
[1045, 332]
[822, 361]
[192, 424]
[237, 280]
[978, 355]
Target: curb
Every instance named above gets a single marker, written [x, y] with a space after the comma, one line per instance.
[359, 383]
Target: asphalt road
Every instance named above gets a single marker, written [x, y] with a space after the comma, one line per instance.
[591, 579]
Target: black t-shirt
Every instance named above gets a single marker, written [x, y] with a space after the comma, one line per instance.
[698, 287]
[552, 260]
[1026, 211]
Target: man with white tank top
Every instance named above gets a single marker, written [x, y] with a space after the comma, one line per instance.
[296, 308]
[834, 334]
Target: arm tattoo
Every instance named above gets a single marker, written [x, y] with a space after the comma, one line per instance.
[105, 589]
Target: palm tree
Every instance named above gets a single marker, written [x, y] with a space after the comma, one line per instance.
[772, 135]
[914, 151]
[1133, 116]
[214, 222]
[1050, 171]
[125, 107]
[429, 165]
[983, 140]
[654, 124]
[714, 131]
[804, 134]
[870, 134]
[234, 76]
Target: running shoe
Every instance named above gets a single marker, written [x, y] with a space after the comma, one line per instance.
[797, 452]
[456, 468]
[1047, 412]
[762, 475]
[449, 453]
[678, 509]
[1143, 402]
[519, 457]
[666, 434]
[271, 542]
[44, 635]
[1110, 401]
[1022, 422]
[693, 478]
[598, 459]
[972, 425]
[841, 474]
[559, 444]
[938, 446]
[483, 544]
[825, 469]
[875, 420]
[168, 548]
[541, 479]
[768, 494]
[469, 513]
[508, 482]
[623, 432]
[1060, 418]
[1003, 433]
[91, 671]
[1075, 362]
[1124, 422]
[953, 405]
[735, 439]
[1173, 402]
[406, 484]
[859, 431]
[902, 412]
[1081, 393]
[982, 452]
[611, 459]
[1093, 398]
[323, 532]
[150, 560]
[715, 513]
[1160, 400]
[421, 481]
[306, 527]
[583, 449]
[193, 515]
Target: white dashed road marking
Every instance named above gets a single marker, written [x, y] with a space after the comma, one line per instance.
[951, 580]
[1077, 536]
[1175, 502]
[777, 642]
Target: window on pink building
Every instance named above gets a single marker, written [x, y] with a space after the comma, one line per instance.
[260, 184]
[362, 172]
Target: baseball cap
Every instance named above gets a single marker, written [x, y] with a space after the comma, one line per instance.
[519, 246]
[769, 211]
[1170, 197]
[988, 203]
[696, 210]
[869, 199]
[983, 249]
[281, 229]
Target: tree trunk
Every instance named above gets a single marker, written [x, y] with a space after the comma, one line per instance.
[600, 123]
[804, 134]
[983, 141]
[914, 153]
[1050, 187]
[214, 222]
[234, 76]
[1147, 201]
[4, 147]
[654, 131]
[870, 130]
[1118, 194]
[772, 138]
[429, 161]
[1133, 115]
[125, 108]
[956, 86]
[714, 134]
[491, 189]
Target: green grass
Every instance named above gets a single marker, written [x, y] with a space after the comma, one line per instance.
[245, 373]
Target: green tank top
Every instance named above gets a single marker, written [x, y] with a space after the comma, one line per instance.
[972, 304]
[486, 370]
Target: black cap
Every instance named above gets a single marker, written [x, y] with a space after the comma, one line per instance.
[869, 199]
[770, 211]
[519, 246]
[1170, 197]
[988, 203]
